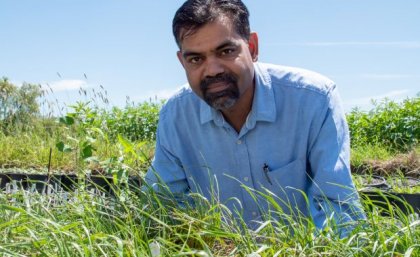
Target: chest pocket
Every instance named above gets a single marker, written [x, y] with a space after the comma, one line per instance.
[290, 177]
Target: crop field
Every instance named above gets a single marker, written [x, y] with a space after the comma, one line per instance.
[119, 218]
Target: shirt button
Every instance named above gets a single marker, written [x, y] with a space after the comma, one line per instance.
[246, 179]
[254, 213]
[239, 142]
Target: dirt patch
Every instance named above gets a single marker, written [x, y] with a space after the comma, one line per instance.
[405, 164]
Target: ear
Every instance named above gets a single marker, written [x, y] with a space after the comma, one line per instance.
[180, 58]
[253, 46]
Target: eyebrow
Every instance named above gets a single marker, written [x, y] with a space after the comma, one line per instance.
[221, 46]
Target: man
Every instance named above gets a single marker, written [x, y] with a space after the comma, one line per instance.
[243, 126]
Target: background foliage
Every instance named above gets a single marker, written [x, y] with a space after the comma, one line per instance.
[389, 124]
[89, 133]
[18, 105]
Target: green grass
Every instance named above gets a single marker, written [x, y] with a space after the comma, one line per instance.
[31, 150]
[90, 225]
[365, 153]
[25, 149]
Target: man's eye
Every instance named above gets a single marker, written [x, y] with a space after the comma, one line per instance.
[194, 60]
[228, 51]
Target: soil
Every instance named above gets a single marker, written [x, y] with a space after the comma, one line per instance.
[403, 164]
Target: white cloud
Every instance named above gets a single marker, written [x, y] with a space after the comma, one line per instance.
[65, 85]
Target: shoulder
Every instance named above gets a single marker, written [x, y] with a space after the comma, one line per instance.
[184, 100]
[295, 78]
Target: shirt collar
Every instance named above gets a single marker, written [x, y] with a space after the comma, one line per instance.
[263, 105]
[206, 112]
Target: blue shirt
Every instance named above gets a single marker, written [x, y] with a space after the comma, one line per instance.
[295, 142]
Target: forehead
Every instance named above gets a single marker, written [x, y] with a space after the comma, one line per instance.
[209, 36]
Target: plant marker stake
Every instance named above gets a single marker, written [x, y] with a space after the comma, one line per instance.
[49, 168]
[49, 163]
[77, 149]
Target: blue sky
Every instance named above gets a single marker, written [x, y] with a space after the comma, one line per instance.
[371, 49]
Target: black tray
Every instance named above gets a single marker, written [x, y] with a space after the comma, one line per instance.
[392, 202]
[67, 182]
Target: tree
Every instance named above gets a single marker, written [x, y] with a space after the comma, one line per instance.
[18, 105]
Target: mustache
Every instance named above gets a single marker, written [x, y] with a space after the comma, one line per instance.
[223, 77]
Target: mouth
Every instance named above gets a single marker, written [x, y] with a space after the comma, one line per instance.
[217, 87]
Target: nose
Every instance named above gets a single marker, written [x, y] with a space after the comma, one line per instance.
[213, 67]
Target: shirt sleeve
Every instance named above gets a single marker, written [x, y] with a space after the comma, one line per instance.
[166, 174]
[332, 194]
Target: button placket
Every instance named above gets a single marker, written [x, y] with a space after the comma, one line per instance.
[244, 173]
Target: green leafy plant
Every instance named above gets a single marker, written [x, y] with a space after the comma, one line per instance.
[82, 133]
[134, 122]
[389, 124]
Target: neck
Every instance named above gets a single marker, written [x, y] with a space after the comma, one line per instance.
[237, 115]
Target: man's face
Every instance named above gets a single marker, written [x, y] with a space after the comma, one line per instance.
[219, 63]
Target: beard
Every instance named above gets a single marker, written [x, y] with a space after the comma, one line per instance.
[225, 98]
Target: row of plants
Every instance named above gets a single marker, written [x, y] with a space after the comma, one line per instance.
[143, 223]
[133, 122]
[93, 136]
[392, 125]
[20, 110]
[389, 123]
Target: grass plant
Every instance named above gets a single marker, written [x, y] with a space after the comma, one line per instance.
[361, 154]
[136, 223]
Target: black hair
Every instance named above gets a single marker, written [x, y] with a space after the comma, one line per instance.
[194, 14]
